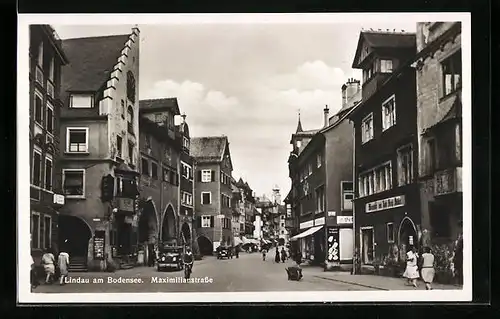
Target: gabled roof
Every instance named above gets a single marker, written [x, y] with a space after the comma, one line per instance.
[383, 39]
[208, 148]
[163, 104]
[91, 61]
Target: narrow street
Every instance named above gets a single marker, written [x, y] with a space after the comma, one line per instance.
[245, 274]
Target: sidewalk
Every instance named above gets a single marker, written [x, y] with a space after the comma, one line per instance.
[371, 281]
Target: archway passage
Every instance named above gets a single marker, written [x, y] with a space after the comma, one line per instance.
[148, 228]
[206, 247]
[186, 234]
[407, 233]
[74, 235]
[168, 233]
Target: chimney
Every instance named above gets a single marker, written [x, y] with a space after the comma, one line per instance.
[326, 111]
[350, 89]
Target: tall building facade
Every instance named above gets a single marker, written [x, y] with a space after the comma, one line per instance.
[166, 181]
[99, 136]
[387, 206]
[439, 128]
[213, 192]
[319, 202]
[46, 58]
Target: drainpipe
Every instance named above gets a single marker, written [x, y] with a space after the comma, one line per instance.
[354, 257]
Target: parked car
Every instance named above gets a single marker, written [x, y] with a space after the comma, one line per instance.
[170, 257]
[224, 252]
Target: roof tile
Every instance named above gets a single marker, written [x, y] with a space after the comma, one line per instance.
[208, 148]
[91, 61]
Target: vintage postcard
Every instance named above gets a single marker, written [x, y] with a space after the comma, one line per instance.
[244, 158]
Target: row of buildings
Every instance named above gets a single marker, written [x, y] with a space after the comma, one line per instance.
[384, 173]
[113, 176]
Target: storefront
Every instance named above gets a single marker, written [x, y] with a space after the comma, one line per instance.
[44, 224]
[311, 240]
[339, 242]
[386, 227]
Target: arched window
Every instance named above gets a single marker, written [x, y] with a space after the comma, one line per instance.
[130, 120]
[131, 86]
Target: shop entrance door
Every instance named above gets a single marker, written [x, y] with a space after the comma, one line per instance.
[367, 245]
[124, 234]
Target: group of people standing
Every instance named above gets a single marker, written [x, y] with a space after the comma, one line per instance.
[426, 267]
[50, 267]
[280, 256]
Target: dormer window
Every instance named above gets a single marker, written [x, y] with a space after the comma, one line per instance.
[131, 86]
[80, 101]
[369, 72]
[299, 144]
[386, 66]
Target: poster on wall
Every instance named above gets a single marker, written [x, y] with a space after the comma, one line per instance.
[99, 244]
[333, 246]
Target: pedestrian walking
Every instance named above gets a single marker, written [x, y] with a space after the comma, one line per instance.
[428, 268]
[63, 263]
[48, 261]
[264, 252]
[283, 254]
[411, 271]
[277, 256]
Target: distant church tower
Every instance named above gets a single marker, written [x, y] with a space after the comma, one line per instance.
[276, 194]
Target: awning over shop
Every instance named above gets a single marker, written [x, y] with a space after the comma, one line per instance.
[237, 241]
[306, 233]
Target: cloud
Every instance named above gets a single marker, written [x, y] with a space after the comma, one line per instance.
[315, 75]
[205, 108]
[261, 118]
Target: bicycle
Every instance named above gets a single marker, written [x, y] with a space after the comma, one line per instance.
[188, 270]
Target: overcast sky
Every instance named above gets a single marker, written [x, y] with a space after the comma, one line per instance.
[248, 81]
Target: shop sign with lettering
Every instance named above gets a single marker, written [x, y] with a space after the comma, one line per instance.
[308, 224]
[333, 246]
[319, 221]
[384, 204]
[344, 220]
[99, 244]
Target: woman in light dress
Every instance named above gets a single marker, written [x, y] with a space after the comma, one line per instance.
[63, 263]
[428, 268]
[411, 271]
[48, 261]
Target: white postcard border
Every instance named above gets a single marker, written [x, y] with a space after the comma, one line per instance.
[23, 157]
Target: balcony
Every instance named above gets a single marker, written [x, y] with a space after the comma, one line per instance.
[448, 181]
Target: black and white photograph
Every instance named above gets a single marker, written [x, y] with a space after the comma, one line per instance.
[244, 157]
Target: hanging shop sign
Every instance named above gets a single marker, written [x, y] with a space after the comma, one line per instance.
[332, 214]
[58, 199]
[343, 220]
[333, 246]
[99, 242]
[386, 203]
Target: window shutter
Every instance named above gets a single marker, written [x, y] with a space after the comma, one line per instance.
[199, 176]
[198, 222]
[212, 221]
[213, 176]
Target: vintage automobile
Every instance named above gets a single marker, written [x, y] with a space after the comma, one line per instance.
[170, 257]
[224, 252]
